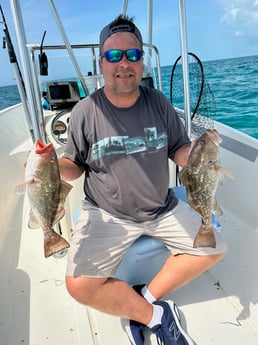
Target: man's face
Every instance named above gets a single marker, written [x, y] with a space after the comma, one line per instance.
[123, 77]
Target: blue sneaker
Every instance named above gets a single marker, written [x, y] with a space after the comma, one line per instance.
[134, 331]
[170, 332]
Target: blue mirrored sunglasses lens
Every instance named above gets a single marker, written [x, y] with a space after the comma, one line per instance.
[116, 55]
[133, 54]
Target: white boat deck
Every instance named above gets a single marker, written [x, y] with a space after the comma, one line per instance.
[37, 310]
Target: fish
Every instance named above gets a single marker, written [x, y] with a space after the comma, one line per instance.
[46, 193]
[200, 177]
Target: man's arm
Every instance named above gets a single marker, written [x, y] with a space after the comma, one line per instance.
[182, 154]
[69, 171]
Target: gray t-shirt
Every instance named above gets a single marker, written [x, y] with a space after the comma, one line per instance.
[124, 153]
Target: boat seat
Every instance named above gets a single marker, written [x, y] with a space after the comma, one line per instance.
[146, 255]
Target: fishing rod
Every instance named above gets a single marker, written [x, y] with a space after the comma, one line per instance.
[7, 42]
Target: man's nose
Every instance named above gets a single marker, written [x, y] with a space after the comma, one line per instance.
[124, 61]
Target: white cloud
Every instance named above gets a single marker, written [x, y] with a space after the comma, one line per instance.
[241, 16]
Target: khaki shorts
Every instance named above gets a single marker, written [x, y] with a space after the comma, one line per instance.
[100, 240]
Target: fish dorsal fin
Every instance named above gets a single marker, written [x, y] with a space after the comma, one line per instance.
[65, 188]
[59, 213]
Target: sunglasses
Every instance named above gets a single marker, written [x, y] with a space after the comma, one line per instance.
[116, 55]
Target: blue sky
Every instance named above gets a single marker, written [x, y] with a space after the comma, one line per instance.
[216, 28]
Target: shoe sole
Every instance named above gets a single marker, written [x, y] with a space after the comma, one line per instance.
[126, 325]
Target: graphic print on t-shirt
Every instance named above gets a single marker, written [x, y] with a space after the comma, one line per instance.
[150, 141]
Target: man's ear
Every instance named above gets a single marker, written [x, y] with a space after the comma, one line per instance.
[100, 65]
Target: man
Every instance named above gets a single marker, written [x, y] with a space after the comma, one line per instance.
[121, 137]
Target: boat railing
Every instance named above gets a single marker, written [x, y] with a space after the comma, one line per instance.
[151, 55]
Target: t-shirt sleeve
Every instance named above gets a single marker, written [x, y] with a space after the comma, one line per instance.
[177, 135]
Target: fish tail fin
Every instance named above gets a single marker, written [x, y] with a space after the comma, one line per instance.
[205, 237]
[54, 243]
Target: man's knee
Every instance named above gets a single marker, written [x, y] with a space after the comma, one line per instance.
[214, 259]
[83, 289]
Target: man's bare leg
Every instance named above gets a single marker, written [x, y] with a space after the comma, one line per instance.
[179, 270]
[111, 296]
[116, 297]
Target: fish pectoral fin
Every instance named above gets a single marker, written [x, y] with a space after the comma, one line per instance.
[226, 172]
[20, 189]
[33, 222]
[54, 243]
[205, 237]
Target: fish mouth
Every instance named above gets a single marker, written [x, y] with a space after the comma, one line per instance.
[214, 136]
[41, 148]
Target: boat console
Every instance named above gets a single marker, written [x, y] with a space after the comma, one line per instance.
[63, 95]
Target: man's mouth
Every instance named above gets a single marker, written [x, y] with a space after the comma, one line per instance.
[124, 75]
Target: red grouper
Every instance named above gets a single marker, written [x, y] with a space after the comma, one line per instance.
[200, 177]
[46, 193]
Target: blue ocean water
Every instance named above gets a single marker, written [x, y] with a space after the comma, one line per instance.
[233, 83]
